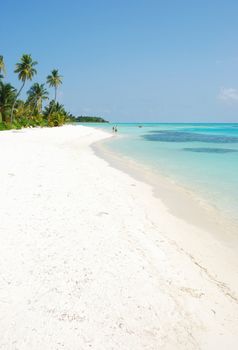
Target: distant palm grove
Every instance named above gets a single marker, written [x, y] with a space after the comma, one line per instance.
[37, 109]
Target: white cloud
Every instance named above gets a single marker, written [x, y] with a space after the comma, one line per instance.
[228, 94]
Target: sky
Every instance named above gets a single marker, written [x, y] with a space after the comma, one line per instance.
[130, 60]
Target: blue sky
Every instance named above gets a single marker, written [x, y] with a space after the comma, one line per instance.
[131, 60]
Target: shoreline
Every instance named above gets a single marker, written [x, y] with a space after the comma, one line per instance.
[91, 258]
[196, 227]
[180, 201]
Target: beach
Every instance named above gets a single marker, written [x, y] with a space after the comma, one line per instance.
[91, 258]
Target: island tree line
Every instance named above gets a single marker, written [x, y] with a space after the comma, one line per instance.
[36, 109]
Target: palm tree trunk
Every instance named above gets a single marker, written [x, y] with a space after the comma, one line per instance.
[16, 100]
[35, 107]
[54, 101]
[40, 107]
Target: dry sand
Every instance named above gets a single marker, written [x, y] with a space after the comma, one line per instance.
[90, 259]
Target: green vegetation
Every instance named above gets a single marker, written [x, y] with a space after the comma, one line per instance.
[7, 98]
[36, 96]
[54, 80]
[2, 67]
[86, 119]
[16, 113]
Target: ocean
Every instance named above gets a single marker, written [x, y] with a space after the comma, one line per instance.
[202, 158]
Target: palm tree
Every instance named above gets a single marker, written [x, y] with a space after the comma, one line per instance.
[2, 67]
[36, 95]
[54, 80]
[7, 97]
[22, 110]
[54, 107]
[26, 71]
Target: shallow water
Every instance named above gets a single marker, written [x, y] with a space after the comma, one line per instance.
[200, 157]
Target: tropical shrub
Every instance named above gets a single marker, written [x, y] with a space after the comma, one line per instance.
[7, 96]
[56, 119]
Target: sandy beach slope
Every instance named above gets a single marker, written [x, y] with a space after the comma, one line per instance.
[89, 259]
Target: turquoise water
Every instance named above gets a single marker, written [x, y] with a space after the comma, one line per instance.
[200, 157]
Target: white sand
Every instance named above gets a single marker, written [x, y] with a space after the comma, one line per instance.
[89, 259]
